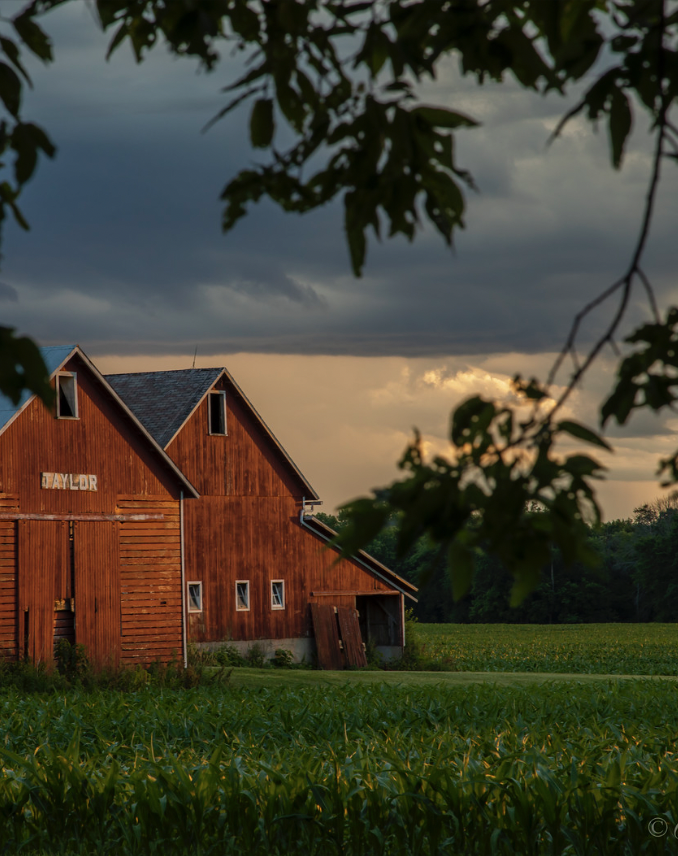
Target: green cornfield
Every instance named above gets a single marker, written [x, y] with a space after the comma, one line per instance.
[307, 765]
[603, 649]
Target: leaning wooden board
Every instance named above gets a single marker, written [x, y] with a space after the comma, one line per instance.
[350, 636]
[326, 636]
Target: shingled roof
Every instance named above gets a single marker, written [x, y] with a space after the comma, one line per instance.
[163, 401]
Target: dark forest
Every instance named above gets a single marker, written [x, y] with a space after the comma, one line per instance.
[636, 579]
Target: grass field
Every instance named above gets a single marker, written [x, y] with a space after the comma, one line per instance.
[607, 649]
[302, 762]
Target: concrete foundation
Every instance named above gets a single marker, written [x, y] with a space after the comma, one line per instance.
[303, 650]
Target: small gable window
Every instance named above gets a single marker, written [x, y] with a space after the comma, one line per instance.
[216, 407]
[242, 595]
[195, 597]
[67, 396]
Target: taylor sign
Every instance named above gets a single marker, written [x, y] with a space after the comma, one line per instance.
[68, 481]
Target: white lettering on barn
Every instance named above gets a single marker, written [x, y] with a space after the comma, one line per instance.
[68, 481]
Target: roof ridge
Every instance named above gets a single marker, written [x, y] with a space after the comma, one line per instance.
[167, 371]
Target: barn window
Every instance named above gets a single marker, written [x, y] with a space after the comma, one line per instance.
[242, 595]
[195, 597]
[216, 405]
[277, 594]
[67, 396]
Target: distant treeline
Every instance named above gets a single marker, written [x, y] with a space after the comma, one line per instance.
[637, 579]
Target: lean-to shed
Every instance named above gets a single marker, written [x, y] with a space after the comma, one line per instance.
[256, 564]
[90, 525]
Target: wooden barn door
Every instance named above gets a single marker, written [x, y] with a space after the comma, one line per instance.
[44, 563]
[8, 593]
[97, 590]
[64, 601]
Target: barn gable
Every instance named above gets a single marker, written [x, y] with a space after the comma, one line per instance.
[255, 563]
[90, 528]
[175, 408]
[54, 358]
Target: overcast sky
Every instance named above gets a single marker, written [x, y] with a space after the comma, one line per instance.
[126, 257]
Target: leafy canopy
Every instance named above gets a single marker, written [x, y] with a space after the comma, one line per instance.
[331, 93]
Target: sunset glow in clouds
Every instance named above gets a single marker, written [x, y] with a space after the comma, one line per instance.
[125, 257]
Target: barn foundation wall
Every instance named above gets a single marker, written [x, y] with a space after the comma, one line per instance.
[303, 650]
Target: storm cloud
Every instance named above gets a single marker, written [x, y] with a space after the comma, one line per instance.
[126, 256]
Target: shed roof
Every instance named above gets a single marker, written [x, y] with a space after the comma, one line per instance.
[164, 401]
[328, 534]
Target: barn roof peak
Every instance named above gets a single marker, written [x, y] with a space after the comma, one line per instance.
[163, 401]
[54, 356]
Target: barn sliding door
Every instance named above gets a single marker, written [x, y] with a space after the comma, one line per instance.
[97, 590]
[43, 561]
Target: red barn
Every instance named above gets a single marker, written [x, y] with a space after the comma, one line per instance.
[90, 525]
[256, 564]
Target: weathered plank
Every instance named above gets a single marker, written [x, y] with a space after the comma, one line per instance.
[326, 636]
[349, 628]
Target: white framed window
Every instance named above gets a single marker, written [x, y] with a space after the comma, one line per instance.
[277, 594]
[66, 395]
[194, 597]
[242, 595]
[216, 412]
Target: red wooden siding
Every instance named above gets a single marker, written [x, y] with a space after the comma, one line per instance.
[43, 552]
[150, 573]
[243, 463]
[260, 539]
[8, 582]
[97, 590]
[101, 441]
[124, 578]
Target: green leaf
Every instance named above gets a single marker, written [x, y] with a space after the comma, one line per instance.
[531, 390]
[26, 140]
[524, 583]
[583, 433]
[10, 88]
[12, 52]
[582, 465]
[35, 39]
[22, 368]
[262, 126]
[472, 416]
[619, 125]
[441, 117]
[357, 246]
[461, 563]
[367, 518]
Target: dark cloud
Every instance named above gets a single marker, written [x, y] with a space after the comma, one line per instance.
[8, 293]
[126, 251]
